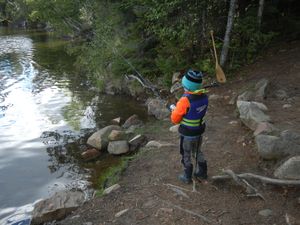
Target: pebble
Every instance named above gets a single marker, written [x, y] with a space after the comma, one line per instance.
[87, 223]
[111, 189]
[121, 213]
[286, 106]
[266, 212]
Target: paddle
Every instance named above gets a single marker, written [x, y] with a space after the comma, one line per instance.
[219, 72]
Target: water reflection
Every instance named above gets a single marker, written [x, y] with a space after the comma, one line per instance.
[46, 111]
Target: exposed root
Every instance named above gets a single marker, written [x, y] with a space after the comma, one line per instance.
[250, 190]
[266, 180]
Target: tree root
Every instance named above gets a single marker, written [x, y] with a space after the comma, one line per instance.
[250, 190]
[266, 180]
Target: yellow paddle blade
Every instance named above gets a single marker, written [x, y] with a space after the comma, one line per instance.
[220, 74]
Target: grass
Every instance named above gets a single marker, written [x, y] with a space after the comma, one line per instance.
[113, 174]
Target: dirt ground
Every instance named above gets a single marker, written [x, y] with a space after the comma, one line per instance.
[149, 186]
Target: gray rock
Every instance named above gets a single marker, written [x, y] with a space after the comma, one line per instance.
[251, 113]
[266, 212]
[290, 136]
[176, 89]
[269, 146]
[158, 108]
[57, 207]
[176, 77]
[90, 154]
[118, 147]
[153, 144]
[116, 135]
[116, 121]
[264, 128]
[214, 97]
[156, 144]
[87, 223]
[111, 189]
[289, 169]
[99, 139]
[246, 96]
[286, 106]
[137, 142]
[281, 94]
[133, 120]
[260, 87]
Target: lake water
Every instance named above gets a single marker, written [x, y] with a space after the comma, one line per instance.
[46, 108]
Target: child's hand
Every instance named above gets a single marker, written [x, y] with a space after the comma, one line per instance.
[172, 107]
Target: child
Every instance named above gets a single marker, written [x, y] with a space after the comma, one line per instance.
[189, 112]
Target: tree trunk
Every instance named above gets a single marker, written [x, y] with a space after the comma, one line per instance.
[230, 19]
[260, 12]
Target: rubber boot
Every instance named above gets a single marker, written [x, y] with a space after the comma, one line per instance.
[201, 171]
[186, 177]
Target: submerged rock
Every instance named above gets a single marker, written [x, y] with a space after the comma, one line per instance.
[90, 154]
[132, 121]
[57, 206]
[99, 139]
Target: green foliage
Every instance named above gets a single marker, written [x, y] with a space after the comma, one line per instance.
[248, 41]
[156, 38]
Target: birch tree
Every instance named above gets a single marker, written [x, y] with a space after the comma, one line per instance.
[260, 12]
[230, 19]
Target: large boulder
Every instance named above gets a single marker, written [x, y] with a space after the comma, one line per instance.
[132, 121]
[269, 147]
[251, 113]
[289, 169]
[116, 135]
[260, 89]
[99, 139]
[272, 147]
[257, 93]
[57, 206]
[118, 147]
[158, 108]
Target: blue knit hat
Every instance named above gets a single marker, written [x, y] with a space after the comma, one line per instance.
[192, 80]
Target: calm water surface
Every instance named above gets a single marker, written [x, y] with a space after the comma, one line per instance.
[45, 110]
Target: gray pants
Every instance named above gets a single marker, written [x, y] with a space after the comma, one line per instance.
[188, 148]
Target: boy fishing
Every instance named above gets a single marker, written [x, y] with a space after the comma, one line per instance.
[189, 113]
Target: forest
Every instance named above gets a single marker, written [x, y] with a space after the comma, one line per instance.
[158, 37]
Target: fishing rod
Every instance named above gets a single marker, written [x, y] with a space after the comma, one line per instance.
[139, 77]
